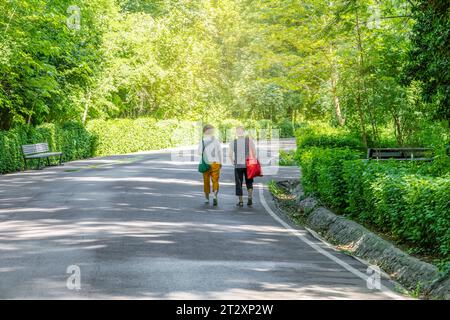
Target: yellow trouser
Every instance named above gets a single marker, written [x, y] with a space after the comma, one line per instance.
[213, 175]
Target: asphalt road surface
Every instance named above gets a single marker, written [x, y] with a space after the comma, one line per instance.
[135, 226]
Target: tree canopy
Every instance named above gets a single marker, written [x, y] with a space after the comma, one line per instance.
[365, 64]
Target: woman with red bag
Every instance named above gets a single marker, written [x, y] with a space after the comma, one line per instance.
[242, 153]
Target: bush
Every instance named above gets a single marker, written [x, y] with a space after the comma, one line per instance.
[287, 128]
[325, 136]
[287, 158]
[226, 128]
[70, 138]
[265, 129]
[411, 207]
[119, 136]
[322, 173]
[407, 199]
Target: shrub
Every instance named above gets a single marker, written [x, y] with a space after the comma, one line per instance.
[70, 138]
[322, 173]
[325, 136]
[119, 136]
[287, 158]
[226, 129]
[395, 199]
[252, 126]
[265, 129]
[407, 199]
[287, 128]
[10, 154]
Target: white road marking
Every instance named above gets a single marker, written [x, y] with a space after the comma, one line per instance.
[320, 250]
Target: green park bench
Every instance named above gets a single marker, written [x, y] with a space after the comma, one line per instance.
[39, 151]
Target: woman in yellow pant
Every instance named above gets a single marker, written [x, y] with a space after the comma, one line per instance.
[212, 152]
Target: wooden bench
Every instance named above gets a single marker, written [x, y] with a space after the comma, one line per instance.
[413, 154]
[39, 151]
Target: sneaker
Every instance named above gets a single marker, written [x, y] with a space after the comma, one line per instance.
[240, 204]
[215, 202]
[250, 202]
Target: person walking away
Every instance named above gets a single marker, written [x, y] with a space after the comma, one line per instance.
[239, 150]
[210, 151]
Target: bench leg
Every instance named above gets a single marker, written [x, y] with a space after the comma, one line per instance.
[39, 164]
[60, 160]
[48, 161]
[25, 164]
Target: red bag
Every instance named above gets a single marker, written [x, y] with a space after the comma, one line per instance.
[253, 167]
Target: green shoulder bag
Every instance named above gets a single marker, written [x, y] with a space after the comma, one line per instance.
[203, 166]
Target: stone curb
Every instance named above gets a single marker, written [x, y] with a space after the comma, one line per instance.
[409, 271]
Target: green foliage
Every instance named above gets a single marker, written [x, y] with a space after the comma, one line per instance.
[413, 208]
[226, 128]
[287, 128]
[70, 138]
[45, 65]
[121, 136]
[408, 200]
[323, 135]
[322, 173]
[118, 136]
[287, 158]
[284, 61]
[430, 54]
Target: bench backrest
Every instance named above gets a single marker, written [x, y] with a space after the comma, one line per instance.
[398, 153]
[35, 148]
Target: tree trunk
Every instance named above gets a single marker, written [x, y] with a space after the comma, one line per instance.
[360, 79]
[336, 102]
[334, 83]
[86, 108]
[398, 128]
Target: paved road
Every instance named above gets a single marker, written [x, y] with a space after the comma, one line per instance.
[136, 226]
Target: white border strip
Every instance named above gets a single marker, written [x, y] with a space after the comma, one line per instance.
[320, 250]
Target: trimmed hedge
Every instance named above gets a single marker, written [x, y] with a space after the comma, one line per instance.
[121, 136]
[118, 136]
[262, 129]
[413, 208]
[70, 138]
[325, 136]
[322, 173]
[394, 197]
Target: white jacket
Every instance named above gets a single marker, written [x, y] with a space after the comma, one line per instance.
[213, 149]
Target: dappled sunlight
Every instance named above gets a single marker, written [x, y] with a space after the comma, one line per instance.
[134, 179]
[31, 210]
[134, 224]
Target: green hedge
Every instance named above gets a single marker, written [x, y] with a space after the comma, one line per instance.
[288, 129]
[325, 136]
[322, 173]
[121, 136]
[394, 197]
[70, 138]
[260, 128]
[118, 136]
[414, 208]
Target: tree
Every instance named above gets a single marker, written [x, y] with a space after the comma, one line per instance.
[429, 57]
